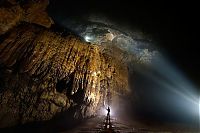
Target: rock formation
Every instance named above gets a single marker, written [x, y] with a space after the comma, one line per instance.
[12, 13]
[43, 73]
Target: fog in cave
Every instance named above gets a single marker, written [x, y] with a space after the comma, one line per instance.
[63, 64]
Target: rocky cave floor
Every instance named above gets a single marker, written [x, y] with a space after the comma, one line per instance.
[96, 125]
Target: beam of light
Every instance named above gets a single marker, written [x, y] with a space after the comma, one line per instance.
[177, 94]
[88, 38]
[199, 111]
[103, 111]
[182, 95]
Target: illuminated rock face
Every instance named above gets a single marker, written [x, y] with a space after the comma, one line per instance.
[43, 73]
[12, 13]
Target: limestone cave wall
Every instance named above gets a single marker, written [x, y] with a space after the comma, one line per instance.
[43, 73]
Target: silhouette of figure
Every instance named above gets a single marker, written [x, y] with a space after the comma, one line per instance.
[108, 116]
[108, 111]
[108, 125]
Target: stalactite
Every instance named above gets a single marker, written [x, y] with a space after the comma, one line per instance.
[43, 73]
[54, 73]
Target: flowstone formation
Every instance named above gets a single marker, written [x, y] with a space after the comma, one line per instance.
[43, 73]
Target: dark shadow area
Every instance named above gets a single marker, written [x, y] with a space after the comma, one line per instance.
[61, 122]
[61, 85]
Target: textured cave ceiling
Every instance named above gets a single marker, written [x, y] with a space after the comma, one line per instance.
[58, 67]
